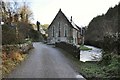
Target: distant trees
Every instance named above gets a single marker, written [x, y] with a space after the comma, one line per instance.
[16, 18]
[7, 12]
[103, 32]
[25, 13]
[45, 28]
[14, 11]
[42, 30]
[101, 26]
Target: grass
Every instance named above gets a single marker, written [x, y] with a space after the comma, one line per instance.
[84, 48]
[91, 70]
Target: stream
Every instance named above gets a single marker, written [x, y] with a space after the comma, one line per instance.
[91, 55]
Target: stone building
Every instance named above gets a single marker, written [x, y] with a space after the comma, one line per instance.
[63, 30]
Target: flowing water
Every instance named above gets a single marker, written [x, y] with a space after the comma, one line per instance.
[91, 55]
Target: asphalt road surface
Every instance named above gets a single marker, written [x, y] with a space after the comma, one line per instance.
[45, 61]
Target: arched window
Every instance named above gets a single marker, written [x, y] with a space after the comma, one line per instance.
[65, 30]
[58, 29]
[53, 28]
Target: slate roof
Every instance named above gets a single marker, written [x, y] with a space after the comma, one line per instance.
[73, 24]
[69, 20]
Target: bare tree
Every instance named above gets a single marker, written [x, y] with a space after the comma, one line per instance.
[25, 13]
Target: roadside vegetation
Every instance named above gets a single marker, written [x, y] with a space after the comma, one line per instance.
[108, 39]
[106, 69]
[13, 55]
[94, 70]
[17, 34]
[9, 62]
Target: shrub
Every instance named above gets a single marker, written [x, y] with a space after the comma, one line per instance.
[112, 70]
[110, 42]
[9, 35]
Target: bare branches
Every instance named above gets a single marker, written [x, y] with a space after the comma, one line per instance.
[11, 9]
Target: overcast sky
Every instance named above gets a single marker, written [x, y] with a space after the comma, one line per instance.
[82, 11]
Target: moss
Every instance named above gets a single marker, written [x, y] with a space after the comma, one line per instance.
[84, 48]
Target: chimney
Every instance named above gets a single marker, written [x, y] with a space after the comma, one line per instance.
[71, 19]
[60, 9]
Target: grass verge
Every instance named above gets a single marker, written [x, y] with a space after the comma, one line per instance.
[10, 63]
[84, 48]
[90, 70]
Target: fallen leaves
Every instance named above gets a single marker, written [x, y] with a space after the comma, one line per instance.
[12, 55]
[10, 61]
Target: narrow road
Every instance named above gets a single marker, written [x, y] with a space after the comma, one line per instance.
[45, 61]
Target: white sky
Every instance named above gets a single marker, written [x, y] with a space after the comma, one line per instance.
[82, 11]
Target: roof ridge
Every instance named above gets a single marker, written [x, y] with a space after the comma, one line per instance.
[71, 22]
